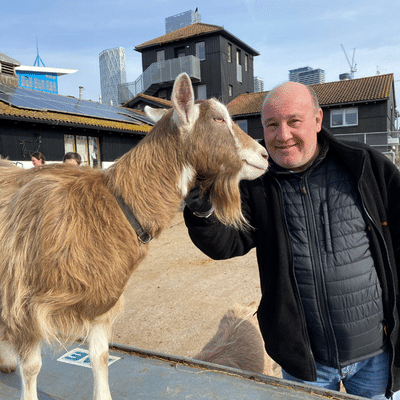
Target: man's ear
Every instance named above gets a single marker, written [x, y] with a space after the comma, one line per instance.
[318, 118]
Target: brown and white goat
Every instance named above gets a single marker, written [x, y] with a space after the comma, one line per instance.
[67, 250]
[238, 344]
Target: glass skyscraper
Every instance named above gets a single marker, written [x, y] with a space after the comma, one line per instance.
[112, 73]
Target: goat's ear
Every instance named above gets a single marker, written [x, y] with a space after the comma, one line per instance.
[185, 112]
[155, 114]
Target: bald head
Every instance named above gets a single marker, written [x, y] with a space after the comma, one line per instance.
[291, 89]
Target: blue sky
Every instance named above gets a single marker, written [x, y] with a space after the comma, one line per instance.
[287, 34]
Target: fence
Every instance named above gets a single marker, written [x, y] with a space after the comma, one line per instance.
[158, 73]
[386, 142]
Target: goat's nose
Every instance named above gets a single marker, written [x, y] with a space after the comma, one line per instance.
[264, 154]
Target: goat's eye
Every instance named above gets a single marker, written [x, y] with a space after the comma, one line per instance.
[219, 120]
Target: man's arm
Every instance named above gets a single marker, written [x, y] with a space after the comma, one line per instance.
[215, 239]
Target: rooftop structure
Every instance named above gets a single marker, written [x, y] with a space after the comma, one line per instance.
[43, 79]
[180, 20]
[7, 70]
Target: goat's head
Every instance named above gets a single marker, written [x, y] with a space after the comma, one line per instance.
[217, 153]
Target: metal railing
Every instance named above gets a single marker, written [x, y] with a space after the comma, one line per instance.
[371, 138]
[157, 74]
[386, 142]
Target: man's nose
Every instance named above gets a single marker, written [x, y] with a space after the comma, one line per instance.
[283, 132]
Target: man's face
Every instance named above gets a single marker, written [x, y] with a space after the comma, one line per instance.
[291, 127]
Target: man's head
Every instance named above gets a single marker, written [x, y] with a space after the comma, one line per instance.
[291, 118]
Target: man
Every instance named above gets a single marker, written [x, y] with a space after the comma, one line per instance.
[326, 221]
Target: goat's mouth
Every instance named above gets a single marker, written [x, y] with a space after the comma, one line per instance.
[259, 167]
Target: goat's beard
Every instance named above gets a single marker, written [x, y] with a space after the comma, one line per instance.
[225, 197]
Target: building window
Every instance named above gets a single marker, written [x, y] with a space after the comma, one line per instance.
[39, 84]
[243, 125]
[230, 91]
[26, 81]
[202, 92]
[180, 52]
[238, 66]
[344, 117]
[238, 57]
[246, 62]
[201, 51]
[160, 55]
[229, 52]
[88, 148]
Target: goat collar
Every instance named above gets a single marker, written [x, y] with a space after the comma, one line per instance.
[143, 236]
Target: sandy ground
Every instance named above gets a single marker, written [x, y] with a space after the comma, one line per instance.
[177, 296]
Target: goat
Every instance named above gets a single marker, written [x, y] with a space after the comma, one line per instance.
[67, 248]
[238, 344]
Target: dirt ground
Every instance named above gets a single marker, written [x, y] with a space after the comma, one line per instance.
[177, 296]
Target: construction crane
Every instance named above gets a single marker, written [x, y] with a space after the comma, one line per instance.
[352, 65]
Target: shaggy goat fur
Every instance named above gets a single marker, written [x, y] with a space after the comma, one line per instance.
[238, 344]
[67, 250]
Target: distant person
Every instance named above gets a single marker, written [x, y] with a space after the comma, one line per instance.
[38, 159]
[72, 158]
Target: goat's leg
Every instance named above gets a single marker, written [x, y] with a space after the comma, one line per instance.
[8, 358]
[98, 354]
[30, 365]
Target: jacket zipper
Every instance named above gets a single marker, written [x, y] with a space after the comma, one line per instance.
[318, 275]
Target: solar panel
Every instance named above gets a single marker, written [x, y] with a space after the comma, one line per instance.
[35, 100]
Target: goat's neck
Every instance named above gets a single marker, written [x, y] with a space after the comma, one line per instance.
[147, 178]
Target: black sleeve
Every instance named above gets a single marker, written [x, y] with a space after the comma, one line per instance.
[217, 240]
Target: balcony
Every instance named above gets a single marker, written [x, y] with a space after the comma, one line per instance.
[158, 75]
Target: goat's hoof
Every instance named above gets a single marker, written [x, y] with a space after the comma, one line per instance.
[7, 370]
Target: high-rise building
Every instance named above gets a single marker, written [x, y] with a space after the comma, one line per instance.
[181, 20]
[258, 84]
[307, 75]
[112, 73]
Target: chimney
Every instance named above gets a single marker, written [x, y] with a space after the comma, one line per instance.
[81, 92]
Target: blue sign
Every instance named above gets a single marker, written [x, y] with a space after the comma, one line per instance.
[81, 357]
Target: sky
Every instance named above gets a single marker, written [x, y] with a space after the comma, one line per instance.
[288, 34]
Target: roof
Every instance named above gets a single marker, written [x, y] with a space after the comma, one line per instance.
[151, 99]
[45, 70]
[376, 87]
[191, 31]
[30, 105]
[373, 88]
[56, 118]
[9, 60]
